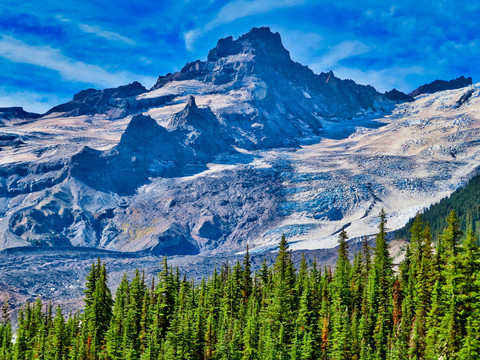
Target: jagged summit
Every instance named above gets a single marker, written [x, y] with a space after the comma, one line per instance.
[258, 41]
[142, 132]
[191, 102]
[193, 117]
[260, 51]
[189, 115]
[396, 95]
[264, 97]
[441, 85]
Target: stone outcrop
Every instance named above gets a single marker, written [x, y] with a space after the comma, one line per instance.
[441, 85]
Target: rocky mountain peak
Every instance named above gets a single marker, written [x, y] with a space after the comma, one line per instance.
[191, 103]
[441, 85]
[142, 130]
[114, 101]
[124, 91]
[396, 95]
[192, 116]
[258, 41]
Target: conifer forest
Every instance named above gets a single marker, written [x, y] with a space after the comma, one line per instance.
[426, 307]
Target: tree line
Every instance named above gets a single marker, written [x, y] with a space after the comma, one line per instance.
[465, 201]
[362, 309]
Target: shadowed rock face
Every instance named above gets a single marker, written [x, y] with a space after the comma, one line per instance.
[15, 112]
[260, 53]
[441, 85]
[148, 150]
[182, 174]
[116, 101]
[396, 95]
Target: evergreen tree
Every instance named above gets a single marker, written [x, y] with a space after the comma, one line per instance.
[381, 289]
[58, 338]
[430, 309]
[98, 311]
[6, 348]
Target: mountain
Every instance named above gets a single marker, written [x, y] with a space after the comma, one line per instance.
[233, 150]
[270, 99]
[147, 150]
[442, 85]
[396, 95]
[15, 113]
[9, 113]
[115, 102]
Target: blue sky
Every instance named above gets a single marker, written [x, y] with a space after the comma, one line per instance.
[50, 49]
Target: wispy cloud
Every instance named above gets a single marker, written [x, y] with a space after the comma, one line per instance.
[344, 50]
[238, 9]
[190, 37]
[69, 69]
[109, 35]
[235, 10]
[97, 31]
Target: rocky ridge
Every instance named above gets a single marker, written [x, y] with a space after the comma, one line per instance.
[236, 149]
[442, 85]
[16, 114]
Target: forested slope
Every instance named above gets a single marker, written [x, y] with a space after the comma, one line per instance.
[466, 203]
[429, 309]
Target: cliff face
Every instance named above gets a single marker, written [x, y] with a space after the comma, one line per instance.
[285, 99]
[236, 149]
[442, 85]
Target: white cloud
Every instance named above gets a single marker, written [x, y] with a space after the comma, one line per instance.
[98, 31]
[190, 37]
[238, 9]
[109, 35]
[341, 51]
[69, 69]
[235, 10]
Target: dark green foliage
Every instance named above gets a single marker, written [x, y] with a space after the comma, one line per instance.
[363, 310]
[466, 203]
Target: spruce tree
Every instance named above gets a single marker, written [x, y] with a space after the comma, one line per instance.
[381, 291]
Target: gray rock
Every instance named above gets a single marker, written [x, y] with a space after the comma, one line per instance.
[223, 153]
[16, 112]
[116, 102]
[442, 85]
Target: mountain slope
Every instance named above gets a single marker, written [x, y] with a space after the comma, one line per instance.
[147, 150]
[237, 149]
[268, 99]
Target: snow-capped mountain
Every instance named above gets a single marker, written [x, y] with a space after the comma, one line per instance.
[236, 149]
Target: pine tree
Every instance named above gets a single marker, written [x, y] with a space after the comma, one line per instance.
[381, 289]
[58, 338]
[6, 347]
[114, 343]
[341, 302]
[247, 286]
[98, 310]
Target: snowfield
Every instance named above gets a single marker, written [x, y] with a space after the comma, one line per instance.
[402, 162]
